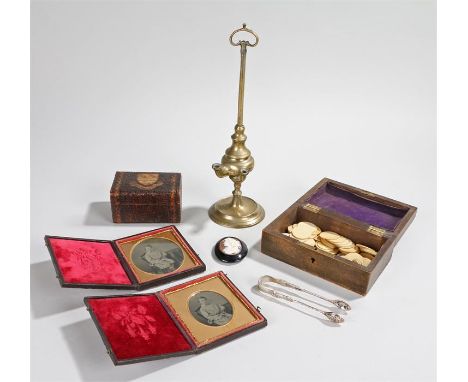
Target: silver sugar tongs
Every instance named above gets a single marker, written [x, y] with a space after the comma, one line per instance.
[334, 317]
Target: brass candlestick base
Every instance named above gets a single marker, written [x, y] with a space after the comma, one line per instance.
[237, 211]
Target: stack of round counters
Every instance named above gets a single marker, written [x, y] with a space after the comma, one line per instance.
[331, 242]
[305, 232]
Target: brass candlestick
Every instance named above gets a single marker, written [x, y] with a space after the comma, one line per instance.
[237, 211]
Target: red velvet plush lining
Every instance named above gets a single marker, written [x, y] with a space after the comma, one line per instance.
[88, 262]
[137, 326]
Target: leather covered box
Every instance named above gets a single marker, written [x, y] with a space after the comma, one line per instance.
[146, 197]
[136, 262]
[362, 216]
[185, 319]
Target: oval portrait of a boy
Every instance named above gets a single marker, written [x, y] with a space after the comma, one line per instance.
[157, 256]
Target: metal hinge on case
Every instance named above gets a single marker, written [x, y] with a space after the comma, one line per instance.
[312, 207]
[368, 193]
[376, 230]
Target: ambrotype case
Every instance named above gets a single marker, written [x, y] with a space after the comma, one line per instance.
[137, 262]
[362, 216]
[146, 197]
[185, 319]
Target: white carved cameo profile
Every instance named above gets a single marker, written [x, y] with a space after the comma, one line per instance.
[230, 246]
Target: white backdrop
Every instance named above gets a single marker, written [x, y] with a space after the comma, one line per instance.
[338, 89]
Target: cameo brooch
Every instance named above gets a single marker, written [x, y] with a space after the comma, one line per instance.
[230, 249]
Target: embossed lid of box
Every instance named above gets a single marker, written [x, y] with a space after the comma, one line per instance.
[146, 197]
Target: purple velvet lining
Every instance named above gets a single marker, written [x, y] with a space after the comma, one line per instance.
[360, 208]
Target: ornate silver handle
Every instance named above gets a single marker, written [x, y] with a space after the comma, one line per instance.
[333, 317]
[338, 303]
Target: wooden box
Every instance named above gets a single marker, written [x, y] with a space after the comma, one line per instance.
[362, 216]
[138, 262]
[175, 321]
[146, 197]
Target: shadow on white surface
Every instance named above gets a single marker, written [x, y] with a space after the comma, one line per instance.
[100, 214]
[48, 297]
[195, 216]
[93, 362]
[307, 278]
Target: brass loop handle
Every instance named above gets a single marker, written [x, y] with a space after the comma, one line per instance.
[246, 42]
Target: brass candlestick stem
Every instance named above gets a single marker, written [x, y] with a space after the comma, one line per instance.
[237, 211]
